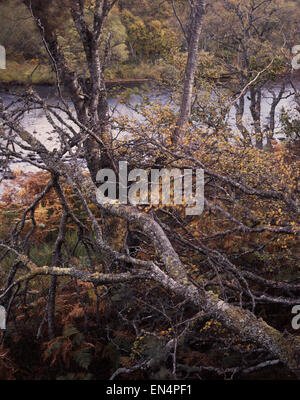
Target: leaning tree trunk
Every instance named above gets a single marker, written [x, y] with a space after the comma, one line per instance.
[191, 67]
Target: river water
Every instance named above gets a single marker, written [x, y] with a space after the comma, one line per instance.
[36, 122]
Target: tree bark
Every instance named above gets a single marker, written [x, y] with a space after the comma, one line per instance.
[195, 27]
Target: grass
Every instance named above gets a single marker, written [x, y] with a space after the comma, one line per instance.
[135, 71]
[22, 72]
[26, 72]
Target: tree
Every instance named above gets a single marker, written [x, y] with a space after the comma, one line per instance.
[249, 40]
[18, 34]
[89, 98]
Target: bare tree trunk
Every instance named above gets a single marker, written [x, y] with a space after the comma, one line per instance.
[275, 102]
[198, 9]
[255, 108]
[240, 108]
[56, 261]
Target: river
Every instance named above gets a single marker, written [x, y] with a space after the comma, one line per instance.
[36, 122]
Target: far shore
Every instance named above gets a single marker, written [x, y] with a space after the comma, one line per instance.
[111, 83]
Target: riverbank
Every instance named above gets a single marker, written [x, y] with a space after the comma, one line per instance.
[25, 73]
[110, 84]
